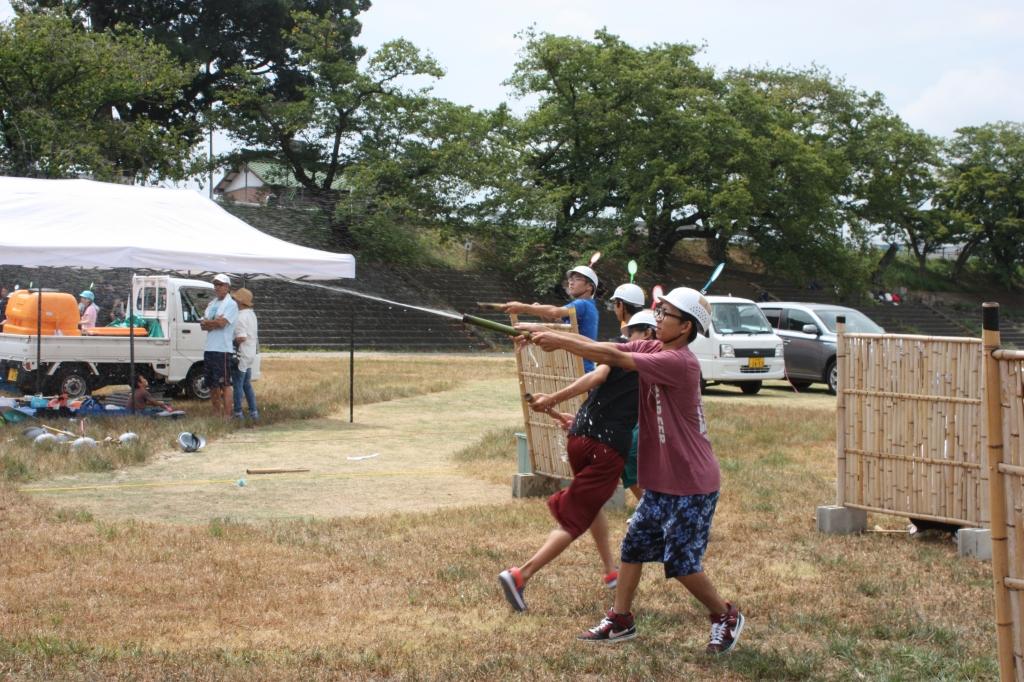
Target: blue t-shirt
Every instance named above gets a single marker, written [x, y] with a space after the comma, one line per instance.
[222, 340]
[586, 320]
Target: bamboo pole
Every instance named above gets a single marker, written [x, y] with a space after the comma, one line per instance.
[915, 514]
[997, 492]
[894, 456]
[1012, 381]
[841, 411]
[523, 390]
[923, 397]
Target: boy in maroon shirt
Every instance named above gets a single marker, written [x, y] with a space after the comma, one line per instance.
[676, 466]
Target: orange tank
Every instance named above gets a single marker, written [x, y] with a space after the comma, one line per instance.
[60, 313]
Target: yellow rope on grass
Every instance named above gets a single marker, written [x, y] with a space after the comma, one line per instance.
[209, 481]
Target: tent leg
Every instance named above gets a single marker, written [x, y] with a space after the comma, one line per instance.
[131, 346]
[39, 340]
[351, 363]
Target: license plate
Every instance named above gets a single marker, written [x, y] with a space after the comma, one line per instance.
[12, 374]
[755, 363]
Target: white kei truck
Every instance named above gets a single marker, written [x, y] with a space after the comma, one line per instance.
[741, 348]
[73, 365]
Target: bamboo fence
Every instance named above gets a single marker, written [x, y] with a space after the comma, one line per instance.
[910, 435]
[541, 372]
[1004, 407]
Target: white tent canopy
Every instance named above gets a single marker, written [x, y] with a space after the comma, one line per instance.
[86, 224]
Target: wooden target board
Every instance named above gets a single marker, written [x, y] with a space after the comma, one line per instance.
[910, 430]
[541, 372]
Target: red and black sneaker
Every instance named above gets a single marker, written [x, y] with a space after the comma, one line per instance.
[725, 630]
[614, 627]
[512, 582]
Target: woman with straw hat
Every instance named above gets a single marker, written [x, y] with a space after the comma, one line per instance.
[247, 345]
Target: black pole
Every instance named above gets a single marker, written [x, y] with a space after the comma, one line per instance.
[39, 340]
[131, 346]
[990, 316]
[351, 363]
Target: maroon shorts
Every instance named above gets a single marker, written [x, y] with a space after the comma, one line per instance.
[596, 469]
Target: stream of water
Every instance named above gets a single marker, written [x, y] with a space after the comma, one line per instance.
[441, 313]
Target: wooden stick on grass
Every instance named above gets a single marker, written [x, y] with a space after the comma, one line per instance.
[275, 471]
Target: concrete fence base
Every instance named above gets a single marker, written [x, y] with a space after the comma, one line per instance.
[836, 520]
[975, 543]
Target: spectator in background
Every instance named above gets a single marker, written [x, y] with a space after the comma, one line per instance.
[87, 304]
[117, 310]
[247, 344]
[142, 400]
[4, 293]
[629, 299]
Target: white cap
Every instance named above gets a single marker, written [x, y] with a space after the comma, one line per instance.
[691, 302]
[643, 317]
[586, 272]
[222, 278]
[629, 293]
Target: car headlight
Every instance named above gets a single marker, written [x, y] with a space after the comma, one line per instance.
[780, 350]
[726, 350]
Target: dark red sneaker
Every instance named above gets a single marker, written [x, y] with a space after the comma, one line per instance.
[512, 582]
[614, 627]
[725, 630]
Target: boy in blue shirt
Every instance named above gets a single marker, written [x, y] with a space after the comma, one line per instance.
[583, 288]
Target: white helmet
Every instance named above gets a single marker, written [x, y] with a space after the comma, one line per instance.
[642, 317]
[586, 272]
[190, 442]
[629, 293]
[691, 302]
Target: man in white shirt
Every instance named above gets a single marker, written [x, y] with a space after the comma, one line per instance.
[219, 323]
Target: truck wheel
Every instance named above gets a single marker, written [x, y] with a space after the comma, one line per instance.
[750, 387]
[195, 383]
[72, 382]
[703, 386]
[832, 377]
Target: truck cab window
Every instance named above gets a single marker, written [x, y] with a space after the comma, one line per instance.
[194, 302]
[151, 300]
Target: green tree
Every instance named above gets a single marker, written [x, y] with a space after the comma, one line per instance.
[429, 169]
[561, 183]
[365, 132]
[213, 39]
[646, 145]
[984, 189]
[60, 87]
[899, 189]
[805, 169]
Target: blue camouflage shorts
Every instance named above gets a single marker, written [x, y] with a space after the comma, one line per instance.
[672, 529]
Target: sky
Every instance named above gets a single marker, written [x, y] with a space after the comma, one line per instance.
[941, 64]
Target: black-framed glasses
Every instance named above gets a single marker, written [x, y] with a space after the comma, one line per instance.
[660, 314]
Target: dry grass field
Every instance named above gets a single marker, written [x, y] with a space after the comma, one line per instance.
[86, 594]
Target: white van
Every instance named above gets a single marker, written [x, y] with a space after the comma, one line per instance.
[742, 347]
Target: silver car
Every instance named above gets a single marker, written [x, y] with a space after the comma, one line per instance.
[808, 331]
